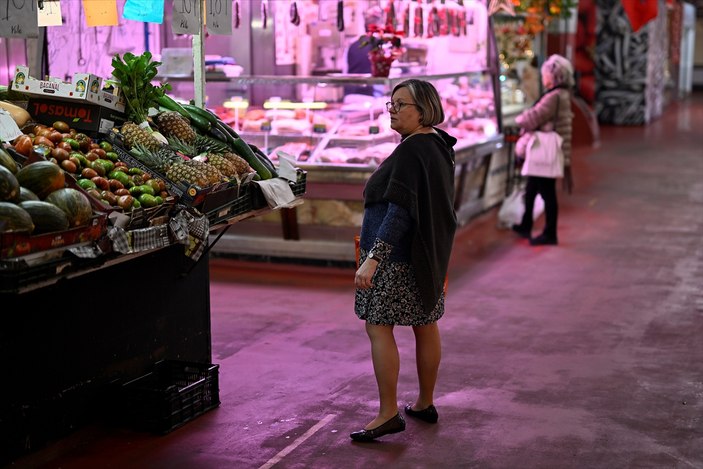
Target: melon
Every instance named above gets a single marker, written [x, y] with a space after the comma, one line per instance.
[7, 161]
[45, 216]
[42, 178]
[74, 204]
[9, 186]
[26, 194]
[14, 218]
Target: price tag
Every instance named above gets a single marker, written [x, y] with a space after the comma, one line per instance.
[319, 128]
[266, 126]
[49, 13]
[186, 17]
[219, 16]
[373, 130]
[145, 11]
[18, 19]
[8, 127]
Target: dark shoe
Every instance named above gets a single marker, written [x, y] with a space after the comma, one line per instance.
[429, 415]
[394, 425]
[543, 240]
[523, 233]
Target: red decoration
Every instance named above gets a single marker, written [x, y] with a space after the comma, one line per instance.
[380, 64]
[640, 12]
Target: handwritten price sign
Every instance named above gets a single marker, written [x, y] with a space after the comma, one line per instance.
[219, 16]
[18, 18]
[186, 16]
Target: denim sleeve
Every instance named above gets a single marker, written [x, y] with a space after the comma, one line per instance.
[395, 225]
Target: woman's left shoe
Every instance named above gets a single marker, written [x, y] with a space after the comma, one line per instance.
[394, 425]
[428, 415]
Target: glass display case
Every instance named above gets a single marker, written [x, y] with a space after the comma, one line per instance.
[337, 129]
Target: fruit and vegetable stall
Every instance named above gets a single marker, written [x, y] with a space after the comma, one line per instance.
[110, 195]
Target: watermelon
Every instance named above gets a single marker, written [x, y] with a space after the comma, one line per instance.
[42, 178]
[74, 204]
[9, 186]
[45, 216]
[14, 218]
[7, 161]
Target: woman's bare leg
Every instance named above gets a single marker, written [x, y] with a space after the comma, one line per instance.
[386, 366]
[428, 353]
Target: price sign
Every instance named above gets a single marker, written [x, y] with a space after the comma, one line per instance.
[219, 16]
[145, 11]
[266, 126]
[18, 18]
[319, 128]
[49, 13]
[186, 17]
[373, 130]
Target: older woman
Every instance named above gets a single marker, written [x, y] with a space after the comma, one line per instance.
[551, 112]
[406, 240]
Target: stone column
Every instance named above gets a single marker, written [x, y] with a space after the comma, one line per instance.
[629, 66]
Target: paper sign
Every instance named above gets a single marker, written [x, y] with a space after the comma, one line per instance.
[8, 127]
[49, 13]
[186, 17]
[219, 16]
[146, 11]
[18, 19]
[100, 12]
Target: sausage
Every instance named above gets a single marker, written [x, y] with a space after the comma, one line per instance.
[264, 13]
[340, 15]
[237, 18]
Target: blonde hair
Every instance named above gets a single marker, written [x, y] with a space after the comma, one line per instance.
[557, 71]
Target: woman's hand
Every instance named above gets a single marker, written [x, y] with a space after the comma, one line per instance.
[362, 279]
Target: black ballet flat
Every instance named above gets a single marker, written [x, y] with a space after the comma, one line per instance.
[428, 415]
[394, 425]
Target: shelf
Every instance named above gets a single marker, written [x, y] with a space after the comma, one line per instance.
[343, 79]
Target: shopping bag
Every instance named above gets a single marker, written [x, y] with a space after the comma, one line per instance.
[513, 207]
[543, 155]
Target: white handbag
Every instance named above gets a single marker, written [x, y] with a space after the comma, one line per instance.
[544, 156]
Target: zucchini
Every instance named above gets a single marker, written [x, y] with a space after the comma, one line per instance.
[263, 157]
[242, 149]
[217, 134]
[201, 113]
[167, 102]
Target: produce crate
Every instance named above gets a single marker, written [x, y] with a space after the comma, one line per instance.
[298, 188]
[17, 273]
[192, 195]
[174, 393]
[16, 243]
[220, 206]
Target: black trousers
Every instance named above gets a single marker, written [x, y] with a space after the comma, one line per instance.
[547, 188]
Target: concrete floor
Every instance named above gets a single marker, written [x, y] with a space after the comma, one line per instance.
[585, 355]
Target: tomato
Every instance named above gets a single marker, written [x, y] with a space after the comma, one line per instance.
[23, 144]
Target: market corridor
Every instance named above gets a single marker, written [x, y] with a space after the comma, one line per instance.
[587, 355]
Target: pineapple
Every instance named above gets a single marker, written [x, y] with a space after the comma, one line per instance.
[182, 172]
[212, 174]
[204, 144]
[227, 168]
[132, 134]
[240, 164]
[183, 147]
[160, 160]
[173, 125]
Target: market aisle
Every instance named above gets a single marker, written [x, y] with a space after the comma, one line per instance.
[584, 355]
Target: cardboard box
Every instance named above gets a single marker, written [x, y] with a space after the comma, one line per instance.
[14, 244]
[84, 116]
[83, 87]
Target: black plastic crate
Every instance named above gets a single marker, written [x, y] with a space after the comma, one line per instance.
[231, 209]
[174, 393]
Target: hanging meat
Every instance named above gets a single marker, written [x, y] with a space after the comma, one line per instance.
[340, 15]
[237, 15]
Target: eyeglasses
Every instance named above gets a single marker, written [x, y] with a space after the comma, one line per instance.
[397, 106]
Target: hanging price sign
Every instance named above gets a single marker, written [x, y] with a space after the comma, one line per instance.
[18, 18]
[186, 17]
[49, 13]
[219, 16]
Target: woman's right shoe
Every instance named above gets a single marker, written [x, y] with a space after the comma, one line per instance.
[522, 232]
[428, 415]
[394, 425]
[543, 240]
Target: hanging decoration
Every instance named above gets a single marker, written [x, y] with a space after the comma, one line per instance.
[501, 5]
[640, 12]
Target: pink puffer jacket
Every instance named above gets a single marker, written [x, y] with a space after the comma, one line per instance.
[541, 116]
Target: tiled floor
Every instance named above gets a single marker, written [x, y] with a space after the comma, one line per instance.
[583, 355]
